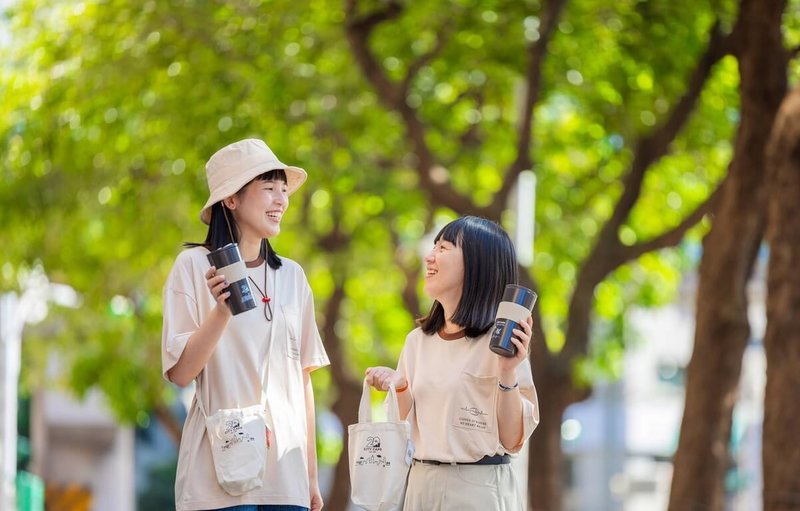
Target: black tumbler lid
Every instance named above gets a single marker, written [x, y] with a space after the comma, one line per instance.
[224, 256]
[520, 295]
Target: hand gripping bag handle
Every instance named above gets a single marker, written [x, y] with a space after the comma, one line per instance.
[365, 407]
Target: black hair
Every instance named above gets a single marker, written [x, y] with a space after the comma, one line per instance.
[490, 263]
[219, 234]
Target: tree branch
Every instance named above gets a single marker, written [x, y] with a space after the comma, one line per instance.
[171, 425]
[392, 95]
[673, 236]
[793, 53]
[442, 36]
[608, 252]
[654, 146]
[470, 137]
[411, 275]
[359, 29]
[392, 10]
[536, 56]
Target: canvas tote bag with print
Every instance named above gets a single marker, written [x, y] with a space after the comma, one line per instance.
[380, 456]
[238, 438]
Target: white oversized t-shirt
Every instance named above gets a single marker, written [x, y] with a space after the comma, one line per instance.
[454, 384]
[232, 378]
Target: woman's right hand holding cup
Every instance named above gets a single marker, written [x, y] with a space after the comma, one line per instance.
[218, 288]
[380, 377]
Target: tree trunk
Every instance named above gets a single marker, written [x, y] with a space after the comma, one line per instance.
[556, 392]
[346, 409]
[545, 458]
[781, 456]
[349, 395]
[171, 425]
[729, 249]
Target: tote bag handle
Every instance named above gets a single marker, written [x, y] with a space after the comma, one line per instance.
[365, 407]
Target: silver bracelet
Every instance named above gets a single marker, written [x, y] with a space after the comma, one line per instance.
[505, 388]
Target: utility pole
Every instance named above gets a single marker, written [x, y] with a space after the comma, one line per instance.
[10, 334]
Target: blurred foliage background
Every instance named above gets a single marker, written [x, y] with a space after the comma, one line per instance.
[111, 107]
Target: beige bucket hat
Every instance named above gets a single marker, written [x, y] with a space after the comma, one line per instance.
[235, 165]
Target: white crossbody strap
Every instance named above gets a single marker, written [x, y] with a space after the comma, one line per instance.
[263, 375]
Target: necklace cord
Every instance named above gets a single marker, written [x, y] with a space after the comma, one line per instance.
[264, 298]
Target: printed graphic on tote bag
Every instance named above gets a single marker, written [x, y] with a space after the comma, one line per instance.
[235, 434]
[372, 453]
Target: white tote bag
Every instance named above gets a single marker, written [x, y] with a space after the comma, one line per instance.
[380, 456]
[238, 438]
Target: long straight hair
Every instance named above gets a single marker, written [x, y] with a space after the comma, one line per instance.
[223, 228]
[490, 263]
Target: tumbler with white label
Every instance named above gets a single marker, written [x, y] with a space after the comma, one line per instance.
[229, 263]
[515, 308]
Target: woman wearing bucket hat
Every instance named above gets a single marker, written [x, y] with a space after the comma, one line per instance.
[262, 356]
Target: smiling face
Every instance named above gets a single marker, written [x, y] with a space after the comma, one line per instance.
[472, 261]
[444, 275]
[258, 208]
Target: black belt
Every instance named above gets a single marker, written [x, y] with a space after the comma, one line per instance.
[497, 459]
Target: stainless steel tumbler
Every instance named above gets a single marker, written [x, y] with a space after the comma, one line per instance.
[229, 263]
[515, 308]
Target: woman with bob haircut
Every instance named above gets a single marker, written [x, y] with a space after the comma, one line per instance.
[232, 358]
[468, 407]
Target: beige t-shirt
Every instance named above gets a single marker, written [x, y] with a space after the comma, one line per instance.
[232, 378]
[454, 385]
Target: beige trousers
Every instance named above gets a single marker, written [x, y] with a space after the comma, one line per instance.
[462, 488]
